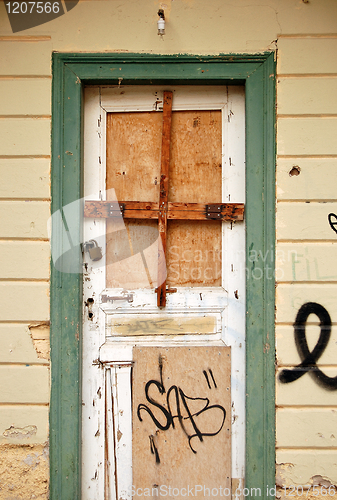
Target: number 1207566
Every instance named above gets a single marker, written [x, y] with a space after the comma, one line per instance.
[33, 7]
[315, 490]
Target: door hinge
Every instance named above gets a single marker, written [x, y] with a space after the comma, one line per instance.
[213, 211]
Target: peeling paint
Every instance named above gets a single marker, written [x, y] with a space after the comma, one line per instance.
[24, 471]
[17, 432]
[281, 471]
[39, 333]
[320, 481]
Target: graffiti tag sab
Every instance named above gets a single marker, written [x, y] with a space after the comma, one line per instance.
[309, 358]
[183, 413]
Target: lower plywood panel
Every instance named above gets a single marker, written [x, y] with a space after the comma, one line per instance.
[181, 421]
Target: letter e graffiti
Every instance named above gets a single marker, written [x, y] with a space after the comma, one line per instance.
[310, 358]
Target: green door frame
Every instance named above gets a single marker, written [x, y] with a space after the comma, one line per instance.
[71, 72]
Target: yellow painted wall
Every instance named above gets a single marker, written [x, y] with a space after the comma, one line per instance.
[304, 33]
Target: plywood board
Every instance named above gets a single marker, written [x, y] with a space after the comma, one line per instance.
[133, 155]
[133, 171]
[181, 420]
[193, 255]
[195, 167]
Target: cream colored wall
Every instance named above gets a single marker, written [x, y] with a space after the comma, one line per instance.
[305, 36]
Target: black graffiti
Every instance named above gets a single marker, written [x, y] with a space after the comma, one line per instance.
[309, 358]
[207, 379]
[333, 221]
[182, 405]
[154, 449]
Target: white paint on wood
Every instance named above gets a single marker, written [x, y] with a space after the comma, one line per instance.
[25, 96]
[313, 181]
[24, 301]
[21, 59]
[16, 345]
[27, 178]
[306, 55]
[306, 428]
[289, 298]
[24, 219]
[296, 96]
[306, 261]
[23, 424]
[25, 136]
[305, 391]
[298, 467]
[306, 136]
[287, 353]
[24, 384]
[304, 221]
[24, 260]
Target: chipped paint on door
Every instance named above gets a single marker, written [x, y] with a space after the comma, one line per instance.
[126, 318]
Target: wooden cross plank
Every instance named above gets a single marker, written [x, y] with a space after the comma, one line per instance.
[164, 210]
[163, 197]
[175, 211]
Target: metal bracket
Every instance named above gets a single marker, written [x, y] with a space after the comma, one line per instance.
[213, 211]
[116, 209]
[108, 298]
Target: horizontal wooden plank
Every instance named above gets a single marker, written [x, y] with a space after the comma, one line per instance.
[24, 301]
[289, 299]
[25, 58]
[306, 96]
[24, 219]
[305, 221]
[298, 261]
[23, 424]
[24, 260]
[306, 55]
[24, 384]
[25, 178]
[24, 136]
[150, 210]
[168, 324]
[297, 467]
[306, 178]
[305, 391]
[306, 428]
[25, 96]
[287, 353]
[16, 345]
[307, 136]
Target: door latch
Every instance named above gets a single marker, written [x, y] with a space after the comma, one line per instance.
[95, 252]
[108, 298]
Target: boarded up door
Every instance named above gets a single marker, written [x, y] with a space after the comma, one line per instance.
[157, 380]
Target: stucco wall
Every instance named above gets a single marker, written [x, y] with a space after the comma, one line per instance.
[304, 34]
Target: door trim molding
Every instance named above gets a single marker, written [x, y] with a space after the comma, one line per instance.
[71, 72]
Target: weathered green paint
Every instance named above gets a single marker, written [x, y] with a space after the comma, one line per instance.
[70, 73]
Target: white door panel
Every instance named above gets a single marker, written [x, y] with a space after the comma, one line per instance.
[116, 319]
